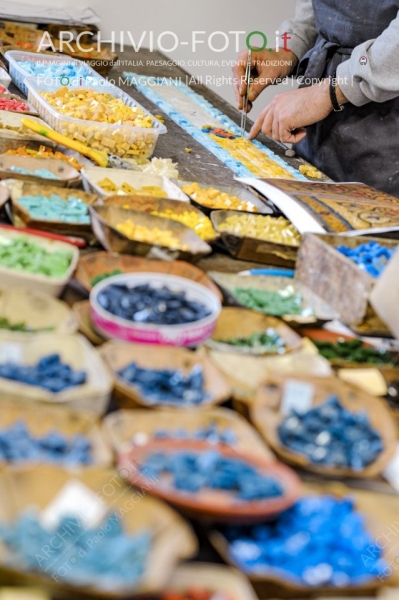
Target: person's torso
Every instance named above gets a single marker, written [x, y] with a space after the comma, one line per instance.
[352, 22]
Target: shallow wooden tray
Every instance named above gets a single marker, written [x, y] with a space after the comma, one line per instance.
[119, 354]
[104, 221]
[22, 217]
[321, 312]
[173, 541]
[68, 176]
[100, 263]
[125, 428]
[266, 416]
[240, 322]
[253, 249]
[218, 505]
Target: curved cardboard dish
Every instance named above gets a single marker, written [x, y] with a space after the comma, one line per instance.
[266, 416]
[43, 419]
[104, 221]
[242, 193]
[36, 310]
[224, 582]
[211, 504]
[76, 351]
[32, 111]
[324, 335]
[240, 322]
[22, 217]
[81, 311]
[118, 355]
[99, 263]
[173, 538]
[67, 175]
[318, 310]
[11, 119]
[137, 179]
[125, 428]
[148, 204]
[380, 511]
[251, 248]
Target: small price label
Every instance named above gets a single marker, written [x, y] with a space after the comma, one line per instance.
[297, 395]
[74, 500]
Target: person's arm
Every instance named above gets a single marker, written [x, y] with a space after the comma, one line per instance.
[375, 79]
[301, 29]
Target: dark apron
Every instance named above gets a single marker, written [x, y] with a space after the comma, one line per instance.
[359, 143]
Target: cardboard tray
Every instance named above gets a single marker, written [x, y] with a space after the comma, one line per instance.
[32, 111]
[104, 221]
[241, 322]
[124, 428]
[67, 175]
[22, 218]
[99, 263]
[148, 204]
[76, 351]
[235, 189]
[253, 249]
[43, 419]
[174, 540]
[37, 310]
[331, 275]
[224, 582]
[13, 119]
[380, 511]
[82, 314]
[321, 311]
[118, 355]
[266, 416]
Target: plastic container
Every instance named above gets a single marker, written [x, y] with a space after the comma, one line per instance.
[188, 334]
[123, 140]
[51, 285]
[20, 76]
[5, 79]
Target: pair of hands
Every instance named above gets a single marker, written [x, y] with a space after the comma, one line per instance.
[287, 115]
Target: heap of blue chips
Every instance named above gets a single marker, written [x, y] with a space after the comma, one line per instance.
[104, 557]
[331, 435]
[149, 304]
[16, 444]
[49, 373]
[166, 385]
[370, 257]
[54, 69]
[210, 434]
[192, 472]
[320, 541]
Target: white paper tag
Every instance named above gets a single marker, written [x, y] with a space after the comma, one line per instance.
[297, 395]
[11, 353]
[74, 500]
[391, 472]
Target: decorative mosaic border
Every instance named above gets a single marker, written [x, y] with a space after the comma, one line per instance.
[223, 155]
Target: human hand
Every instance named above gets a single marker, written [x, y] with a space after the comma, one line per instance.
[286, 116]
[267, 68]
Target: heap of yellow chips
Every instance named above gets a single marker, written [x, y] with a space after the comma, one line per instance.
[270, 229]
[252, 157]
[311, 172]
[199, 223]
[147, 190]
[215, 199]
[155, 235]
[89, 105]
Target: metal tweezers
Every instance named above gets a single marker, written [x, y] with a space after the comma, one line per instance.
[244, 110]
